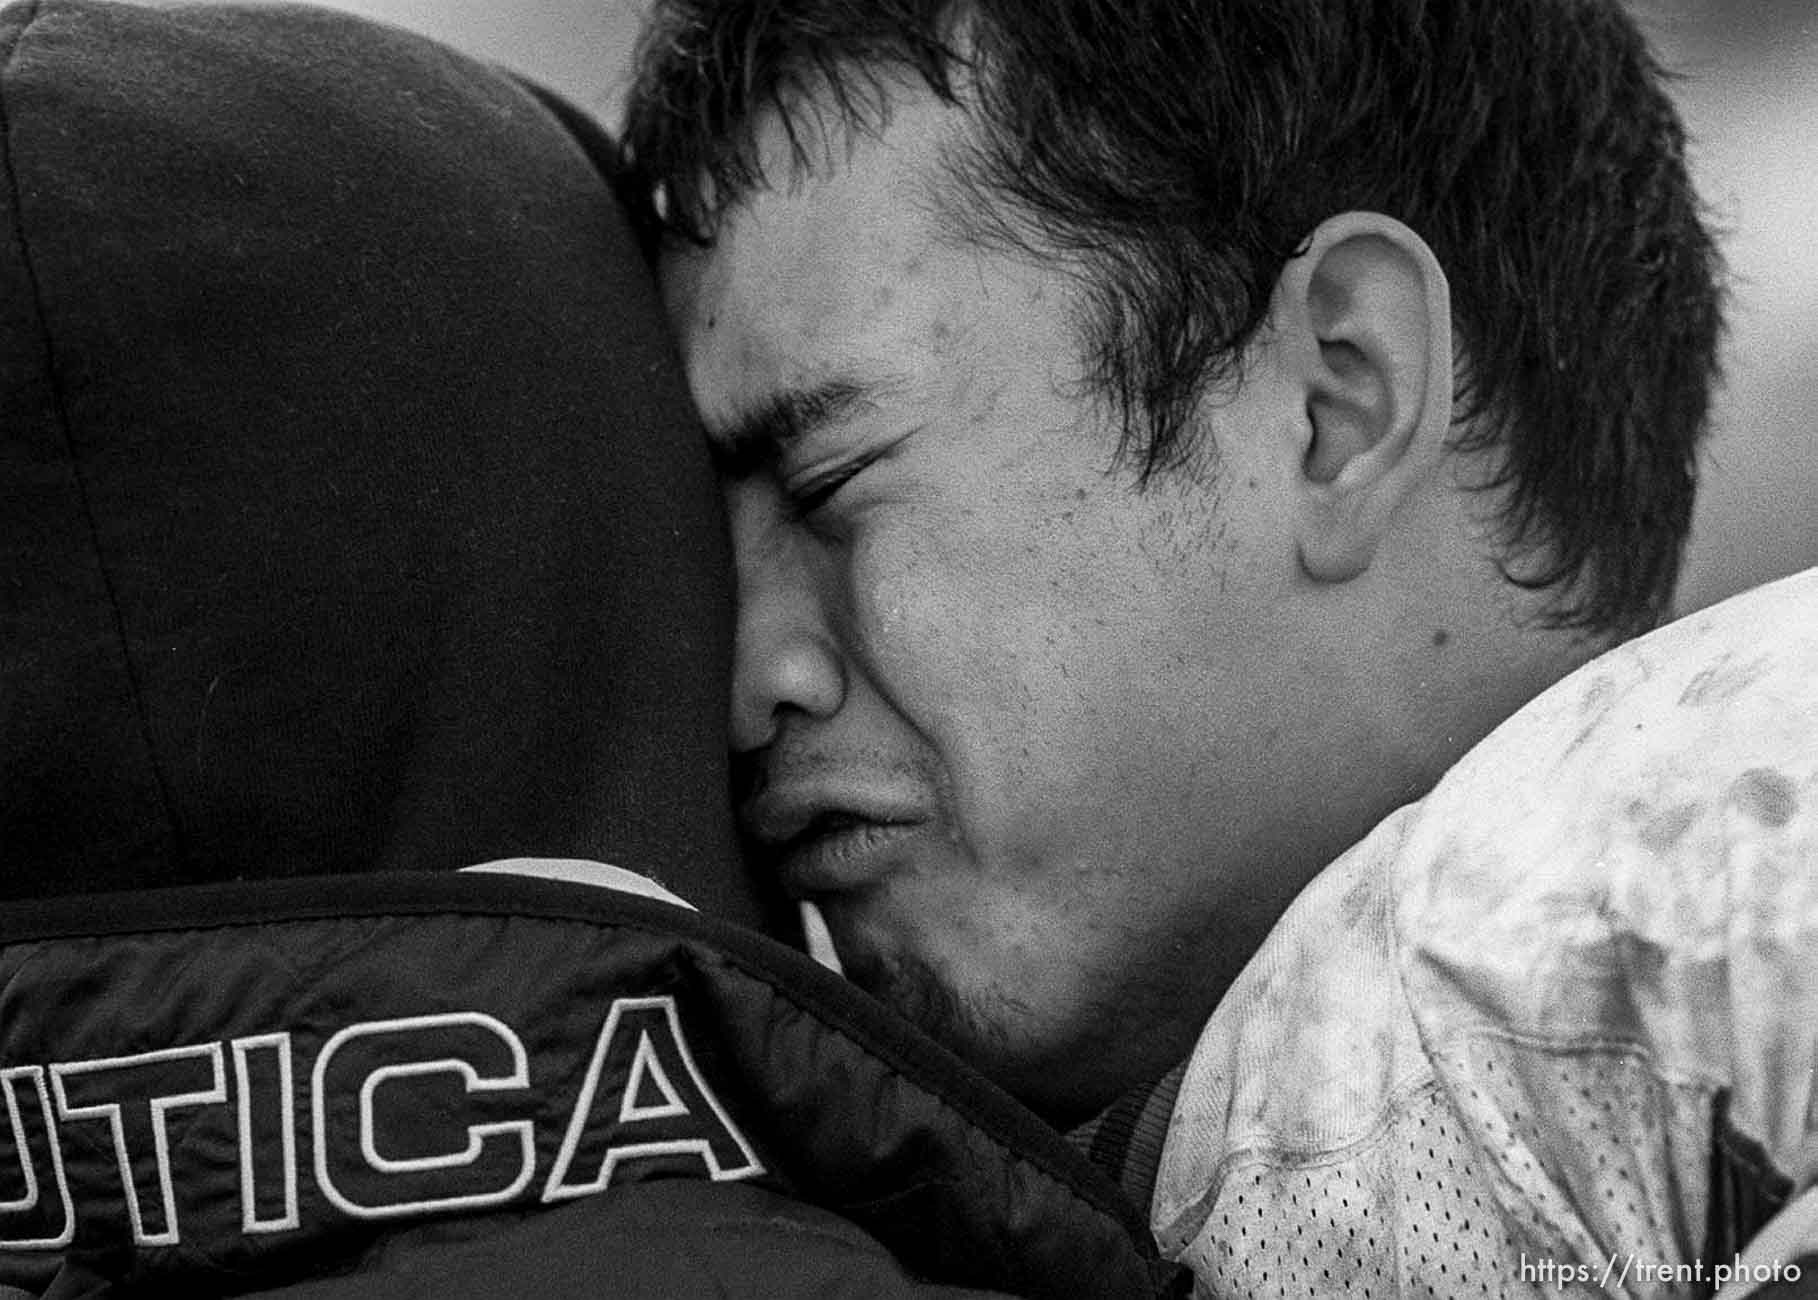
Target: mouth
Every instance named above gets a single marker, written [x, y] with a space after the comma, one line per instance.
[838, 851]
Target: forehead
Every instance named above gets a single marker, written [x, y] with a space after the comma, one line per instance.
[843, 264]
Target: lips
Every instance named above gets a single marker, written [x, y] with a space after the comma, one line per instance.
[843, 855]
[819, 844]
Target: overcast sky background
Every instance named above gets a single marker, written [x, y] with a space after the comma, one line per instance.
[1751, 99]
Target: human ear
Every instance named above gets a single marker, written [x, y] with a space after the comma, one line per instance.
[1369, 307]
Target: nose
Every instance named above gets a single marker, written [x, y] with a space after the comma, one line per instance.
[787, 658]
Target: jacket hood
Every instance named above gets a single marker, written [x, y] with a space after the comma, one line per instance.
[352, 512]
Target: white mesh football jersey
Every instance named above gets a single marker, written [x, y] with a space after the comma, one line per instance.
[1554, 1029]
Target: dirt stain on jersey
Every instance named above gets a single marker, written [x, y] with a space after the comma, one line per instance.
[1723, 681]
[1765, 795]
[1660, 831]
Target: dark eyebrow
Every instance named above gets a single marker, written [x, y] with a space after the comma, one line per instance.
[752, 442]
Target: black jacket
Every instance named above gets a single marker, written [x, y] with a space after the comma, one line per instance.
[428, 1085]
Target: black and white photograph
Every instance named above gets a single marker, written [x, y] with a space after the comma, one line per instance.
[896, 649]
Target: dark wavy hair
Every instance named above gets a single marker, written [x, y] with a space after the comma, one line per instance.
[1181, 151]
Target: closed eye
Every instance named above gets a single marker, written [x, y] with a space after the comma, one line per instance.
[810, 494]
[818, 493]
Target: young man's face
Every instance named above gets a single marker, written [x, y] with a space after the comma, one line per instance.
[1050, 752]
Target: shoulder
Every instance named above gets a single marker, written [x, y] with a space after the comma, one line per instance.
[1530, 1011]
[1611, 860]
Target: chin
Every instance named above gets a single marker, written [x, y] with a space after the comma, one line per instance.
[982, 1027]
